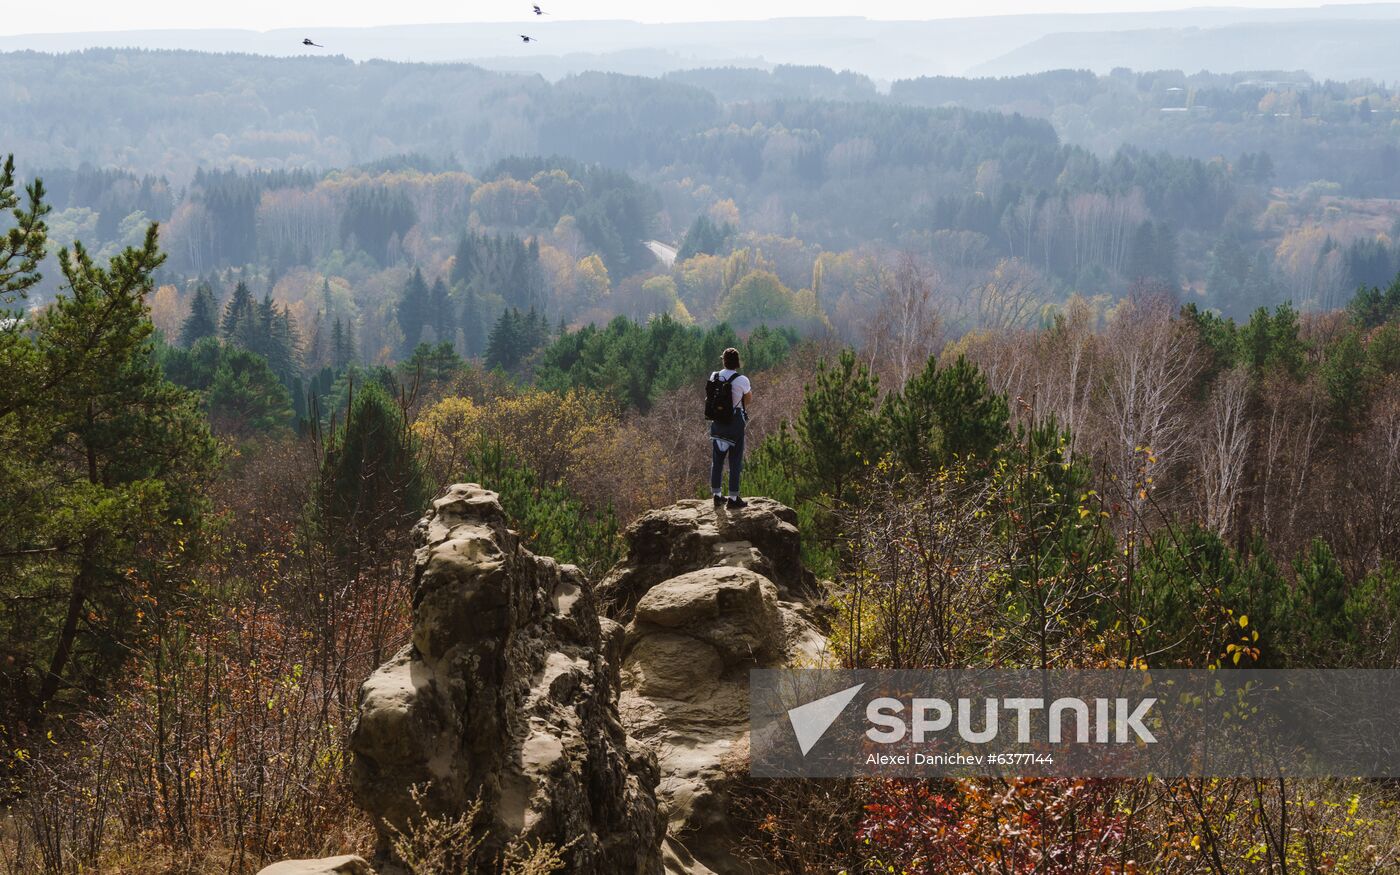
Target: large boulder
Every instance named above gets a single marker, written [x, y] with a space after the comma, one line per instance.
[505, 695]
[707, 594]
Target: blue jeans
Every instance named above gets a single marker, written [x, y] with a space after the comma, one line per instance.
[736, 460]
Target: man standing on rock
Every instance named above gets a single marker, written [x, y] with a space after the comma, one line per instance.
[727, 397]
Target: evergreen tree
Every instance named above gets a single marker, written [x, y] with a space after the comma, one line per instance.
[521, 287]
[432, 363]
[464, 265]
[413, 311]
[837, 427]
[534, 331]
[277, 340]
[636, 363]
[246, 396]
[203, 319]
[22, 247]
[1372, 307]
[374, 218]
[1185, 570]
[440, 315]
[371, 482]
[238, 308]
[343, 352]
[315, 352]
[192, 368]
[1349, 380]
[1370, 263]
[515, 338]
[704, 237]
[1272, 341]
[942, 414]
[123, 456]
[1319, 609]
[506, 345]
[269, 331]
[1259, 290]
[337, 345]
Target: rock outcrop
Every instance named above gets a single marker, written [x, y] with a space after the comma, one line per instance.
[619, 736]
[691, 535]
[706, 594]
[505, 695]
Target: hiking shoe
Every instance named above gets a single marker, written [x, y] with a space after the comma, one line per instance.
[719, 500]
[736, 503]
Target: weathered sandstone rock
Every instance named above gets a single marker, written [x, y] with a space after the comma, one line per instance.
[619, 736]
[504, 695]
[707, 595]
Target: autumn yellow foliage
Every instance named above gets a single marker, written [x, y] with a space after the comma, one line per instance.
[551, 433]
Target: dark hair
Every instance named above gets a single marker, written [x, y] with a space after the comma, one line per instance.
[731, 359]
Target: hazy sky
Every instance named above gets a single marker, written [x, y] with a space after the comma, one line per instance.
[86, 15]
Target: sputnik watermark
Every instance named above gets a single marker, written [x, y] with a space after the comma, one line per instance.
[1080, 723]
[1113, 720]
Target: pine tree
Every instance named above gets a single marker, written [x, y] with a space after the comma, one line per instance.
[413, 311]
[465, 268]
[1319, 613]
[371, 482]
[203, 319]
[343, 351]
[1274, 340]
[942, 414]
[704, 237]
[337, 344]
[1350, 381]
[432, 363]
[246, 396]
[534, 331]
[22, 247]
[315, 351]
[837, 427]
[504, 348]
[352, 346]
[440, 315]
[238, 308]
[119, 437]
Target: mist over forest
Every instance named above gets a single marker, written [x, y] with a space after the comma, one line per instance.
[1075, 343]
[1234, 190]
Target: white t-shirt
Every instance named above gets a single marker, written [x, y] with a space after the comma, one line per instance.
[740, 387]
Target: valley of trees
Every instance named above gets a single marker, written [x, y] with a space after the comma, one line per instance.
[1239, 190]
[1121, 385]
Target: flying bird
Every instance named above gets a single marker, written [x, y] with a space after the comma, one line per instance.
[527, 39]
[308, 42]
[538, 10]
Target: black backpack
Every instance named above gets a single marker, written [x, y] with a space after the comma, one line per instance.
[719, 398]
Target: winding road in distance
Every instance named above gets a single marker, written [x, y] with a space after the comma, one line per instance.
[664, 254]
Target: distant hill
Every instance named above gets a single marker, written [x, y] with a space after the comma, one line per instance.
[1342, 50]
[1327, 41]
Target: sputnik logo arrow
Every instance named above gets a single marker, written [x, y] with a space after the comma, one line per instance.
[811, 721]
